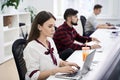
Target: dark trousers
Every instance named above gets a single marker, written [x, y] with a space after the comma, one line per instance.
[66, 53]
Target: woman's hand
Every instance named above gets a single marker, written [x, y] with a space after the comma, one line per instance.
[67, 69]
[71, 64]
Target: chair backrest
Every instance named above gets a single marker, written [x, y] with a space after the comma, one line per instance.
[17, 49]
[83, 22]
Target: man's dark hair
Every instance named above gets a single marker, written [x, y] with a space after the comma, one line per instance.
[97, 6]
[70, 12]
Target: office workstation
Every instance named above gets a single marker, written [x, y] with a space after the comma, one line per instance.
[16, 24]
[104, 59]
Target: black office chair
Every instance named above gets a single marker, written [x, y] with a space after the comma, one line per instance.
[23, 34]
[17, 49]
[83, 22]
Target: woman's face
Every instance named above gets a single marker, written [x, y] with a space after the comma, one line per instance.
[47, 29]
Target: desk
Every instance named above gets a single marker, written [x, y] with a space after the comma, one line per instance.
[110, 47]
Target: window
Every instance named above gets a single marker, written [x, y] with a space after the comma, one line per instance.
[110, 8]
[83, 6]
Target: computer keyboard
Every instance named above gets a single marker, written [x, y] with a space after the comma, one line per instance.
[71, 75]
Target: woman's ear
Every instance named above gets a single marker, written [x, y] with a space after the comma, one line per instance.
[39, 27]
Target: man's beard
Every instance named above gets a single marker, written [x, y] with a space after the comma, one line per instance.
[74, 23]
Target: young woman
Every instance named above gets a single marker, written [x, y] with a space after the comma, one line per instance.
[40, 54]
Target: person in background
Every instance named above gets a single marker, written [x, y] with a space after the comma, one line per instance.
[65, 35]
[40, 54]
[92, 24]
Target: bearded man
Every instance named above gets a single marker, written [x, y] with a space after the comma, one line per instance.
[65, 35]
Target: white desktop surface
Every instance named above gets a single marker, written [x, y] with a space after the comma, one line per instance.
[109, 44]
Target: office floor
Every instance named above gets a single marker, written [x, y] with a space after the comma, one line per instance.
[8, 71]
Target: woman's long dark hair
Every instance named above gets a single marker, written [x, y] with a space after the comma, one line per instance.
[40, 19]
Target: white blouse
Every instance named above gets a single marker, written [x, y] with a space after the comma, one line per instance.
[36, 59]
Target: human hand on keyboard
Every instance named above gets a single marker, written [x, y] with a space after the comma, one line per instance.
[72, 64]
[75, 68]
[66, 69]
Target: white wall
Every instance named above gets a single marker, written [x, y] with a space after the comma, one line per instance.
[48, 5]
[109, 20]
[1, 40]
[110, 8]
[111, 11]
[38, 4]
